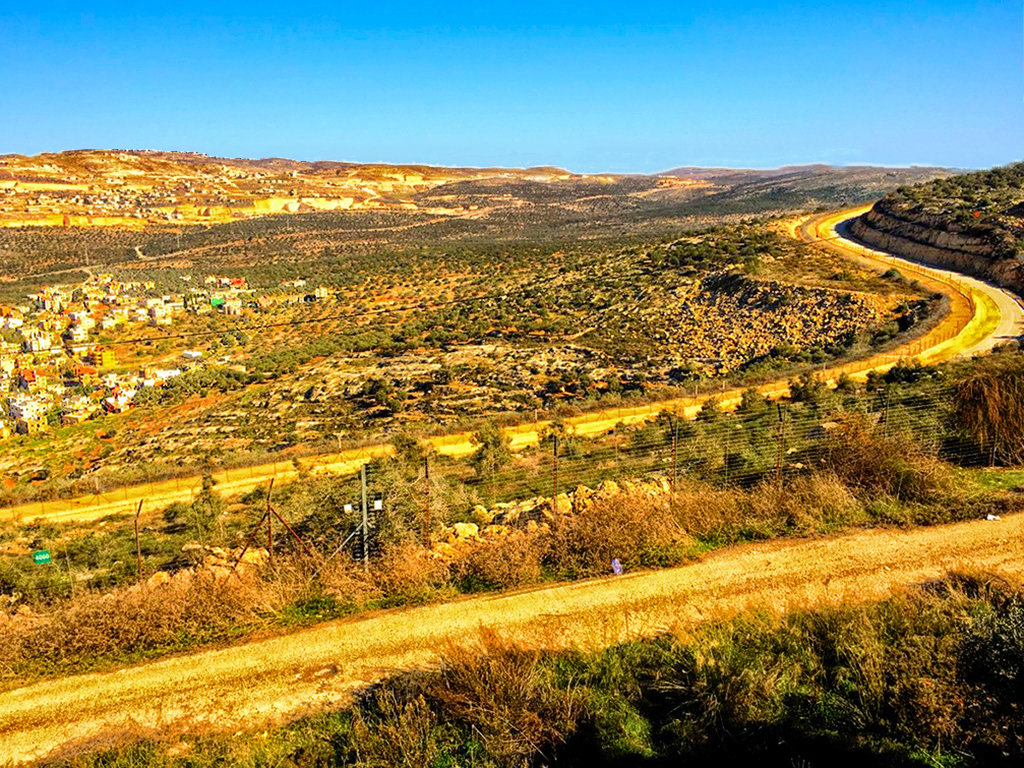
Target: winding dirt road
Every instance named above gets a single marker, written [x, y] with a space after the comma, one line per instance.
[981, 315]
[264, 682]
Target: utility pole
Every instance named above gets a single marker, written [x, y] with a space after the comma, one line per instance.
[366, 524]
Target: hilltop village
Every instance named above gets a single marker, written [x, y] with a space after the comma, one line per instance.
[131, 189]
[59, 351]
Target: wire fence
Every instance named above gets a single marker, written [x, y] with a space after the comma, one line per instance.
[774, 440]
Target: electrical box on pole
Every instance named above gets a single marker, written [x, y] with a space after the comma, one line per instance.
[366, 522]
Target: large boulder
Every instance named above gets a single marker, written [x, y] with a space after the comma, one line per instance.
[464, 532]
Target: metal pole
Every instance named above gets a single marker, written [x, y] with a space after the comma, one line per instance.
[675, 441]
[291, 530]
[248, 543]
[366, 524]
[778, 461]
[426, 507]
[270, 523]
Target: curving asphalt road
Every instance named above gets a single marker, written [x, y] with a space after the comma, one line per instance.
[1010, 324]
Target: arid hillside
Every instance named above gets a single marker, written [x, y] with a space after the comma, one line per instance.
[146, 187]
[68, 210]
[135, 188]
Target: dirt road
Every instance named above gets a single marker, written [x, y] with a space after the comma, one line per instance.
[266, 681]
[981, 315]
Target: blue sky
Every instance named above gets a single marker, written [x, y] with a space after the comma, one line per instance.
[621, 87]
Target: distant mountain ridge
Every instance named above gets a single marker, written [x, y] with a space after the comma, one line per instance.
[137, 189]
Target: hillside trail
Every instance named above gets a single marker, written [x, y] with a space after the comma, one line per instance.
[980, 316]
[265, 682]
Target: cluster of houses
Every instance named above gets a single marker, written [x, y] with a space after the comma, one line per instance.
[112, 198]
[55, 367]
[57, 386]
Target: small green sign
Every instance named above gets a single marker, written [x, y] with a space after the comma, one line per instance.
[41, 556]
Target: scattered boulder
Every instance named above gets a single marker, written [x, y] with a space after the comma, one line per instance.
[562, 504]
[463, 531]
[534, 516]
[158, 579]
[482, 515]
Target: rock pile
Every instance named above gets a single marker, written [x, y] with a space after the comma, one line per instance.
[534, 515]
[733, 321]
[214, 562]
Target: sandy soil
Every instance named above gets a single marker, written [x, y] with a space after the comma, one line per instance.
[981, 315]
[267, 681]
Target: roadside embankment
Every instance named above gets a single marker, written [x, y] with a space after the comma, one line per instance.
[929, 240]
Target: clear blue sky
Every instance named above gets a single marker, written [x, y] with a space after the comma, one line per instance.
[592, 86]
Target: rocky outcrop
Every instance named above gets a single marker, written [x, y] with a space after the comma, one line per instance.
[929, 240]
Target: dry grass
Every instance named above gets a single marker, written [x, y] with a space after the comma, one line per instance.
[865, 458]
[636, 528]
[989, 404]
[639, 528]
[133, 622]
[509, 697]
[807, 504]
[408, 573]
[511, 561]
[247, 685]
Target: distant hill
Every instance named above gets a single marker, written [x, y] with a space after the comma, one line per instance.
[813, 177]
[64, 210]
[135, 188]
[142, 188]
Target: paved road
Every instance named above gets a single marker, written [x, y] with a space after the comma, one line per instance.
[982, 315]
[1010, 323]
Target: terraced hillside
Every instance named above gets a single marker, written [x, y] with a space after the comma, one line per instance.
[420, 342]
[433, 297]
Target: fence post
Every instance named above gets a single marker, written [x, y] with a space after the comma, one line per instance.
[426, 506]
[138, 545]
[270, 524]
[554, 476]
[779, 439]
